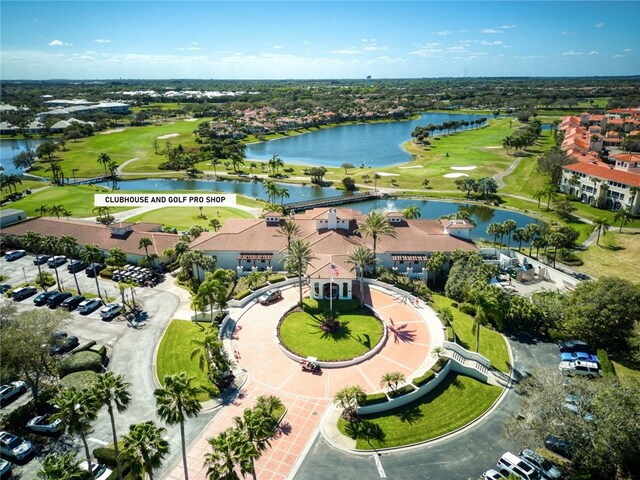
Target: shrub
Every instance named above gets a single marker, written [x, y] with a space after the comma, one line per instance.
[407, 287]
[47, 279]
[401, 391]
[80, 380]
[375, 398]
[288, 170]
[106, 273]
[467, 308]
[422, 379]
[241, 295]
[277, 278]
[102, 351]
[313, 306]
[260, 285]
[608, 369]
[105, 456]
[81, 361]
[86, 346]
[439, 364]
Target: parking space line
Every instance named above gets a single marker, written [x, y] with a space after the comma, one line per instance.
[376, 457]
[100, 442]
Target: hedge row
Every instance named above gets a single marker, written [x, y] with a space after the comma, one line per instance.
[401, 391]
[80, 380]
[422, 379]
[79, 362]
[277, 278]
[241, 295]
[608, 369]
[374, 398]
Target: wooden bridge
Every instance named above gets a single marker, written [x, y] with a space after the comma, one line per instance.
[331, 201]
[88, 181]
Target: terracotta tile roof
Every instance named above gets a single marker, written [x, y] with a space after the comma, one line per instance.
[604, 171]
[85, 232]
[321, 267]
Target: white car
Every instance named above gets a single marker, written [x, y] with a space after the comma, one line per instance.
[110, 311]
[5, 468]
[44, 424]
[544, 466]
[11, 390]
[13, 446]
[492, 474]
[100, 472]
[581, 368]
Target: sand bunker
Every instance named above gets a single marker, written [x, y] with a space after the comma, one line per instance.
[168, 135]
[113, 130]
[497, 146]
[385, 174]
[414, 166]
[463, 168]
[190, 119]
[455, 175]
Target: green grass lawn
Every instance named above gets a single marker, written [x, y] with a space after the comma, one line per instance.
[617, 255]
[492, 344]
[300, 332]
[182, 218]
[175, 351]
[626, 373]
[454, 403]
[133, 142]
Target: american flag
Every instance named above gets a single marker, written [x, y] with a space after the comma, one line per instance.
[334, 270]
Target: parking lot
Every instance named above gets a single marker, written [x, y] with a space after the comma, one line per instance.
[130, 347]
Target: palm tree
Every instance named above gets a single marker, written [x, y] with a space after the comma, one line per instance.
[412, 212]
[509, 226]
[520, 235]
[215, 224]
[258, 428]
[77, 409]
[110, 390]
[392, 379]
[361, 258]
[91, 253]
[494, 229]
[623, 216]
[61, 467]
[32, 241]
[144, 448]
[145, 243]
[533, 229]
[376, 177]
[104, 160]
[436, 263]
[539, 195]
[289, 229]
[230, 448]
[348, 398]
[43, 210]
[117, 258]
[283, 193]
[633, 192]
[51, 245]
[271, 189]
[212, 358]
[69, 247]
[268, 403]
[176, 402]
[486, 309]
[298, 257]
[601, 225]
[376, 224]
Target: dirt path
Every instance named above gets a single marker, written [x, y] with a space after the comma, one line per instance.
[500, 176]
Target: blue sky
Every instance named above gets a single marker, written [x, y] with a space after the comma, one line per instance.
[307, 39]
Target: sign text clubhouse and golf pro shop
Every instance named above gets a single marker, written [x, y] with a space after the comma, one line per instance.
[171, 200]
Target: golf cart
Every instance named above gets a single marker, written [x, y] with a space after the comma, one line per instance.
[310, 364]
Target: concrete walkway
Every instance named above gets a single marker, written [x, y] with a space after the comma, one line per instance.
[308, 397]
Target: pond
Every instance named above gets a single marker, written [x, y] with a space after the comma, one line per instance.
[368, 144]
[11, 148]
[482, 215]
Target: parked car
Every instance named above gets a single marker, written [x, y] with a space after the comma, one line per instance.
[44, 424]
[23, 292]
[56, 261]
[110, 311]
[573, 403]
[76, 265]
[570, 356]
[88, 306]
[518, 466]
[100, 472]
[14, 446]
[5, 468]
[72, 302]
[40, 259]
[574, 346]
[14, 255]
[270, 296]
[94, 269]
[558, 445]
[12, 390]
[492, 474]
[66, 345]
[544, 466]
[4, 288]
[43, 297]
[57, 298]
[580, 367]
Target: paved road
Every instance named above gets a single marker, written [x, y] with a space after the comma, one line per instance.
[463, 456]
[132, 354]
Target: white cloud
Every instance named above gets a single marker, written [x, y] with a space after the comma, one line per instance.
[490, 30]
[276, 47]
[370, 45]
[506, 27]
[444, 33]
[59, 43]
[102, 40]
[347, 51]
[499, 29]
[572, 53]
[190, 48]
[497, 42]
[599, 25]
[592, 52]
[567, 33]
[90, 52]
[627, 50]
[617, 55]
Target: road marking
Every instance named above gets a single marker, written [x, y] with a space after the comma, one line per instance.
[98, 441]
[379, 466]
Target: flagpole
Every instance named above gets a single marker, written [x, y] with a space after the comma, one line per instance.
[330, 284]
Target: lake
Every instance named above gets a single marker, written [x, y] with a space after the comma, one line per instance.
[482, 215]
[368, 144]
[11, 148]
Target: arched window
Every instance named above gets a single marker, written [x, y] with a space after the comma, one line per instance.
[316, 289]
[345, 289]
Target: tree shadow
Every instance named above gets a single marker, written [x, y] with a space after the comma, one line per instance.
[410, 415]
[284, 429]
[366, 430]
[402, 334]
